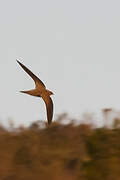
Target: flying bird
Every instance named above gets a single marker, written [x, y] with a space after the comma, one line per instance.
[40, 91]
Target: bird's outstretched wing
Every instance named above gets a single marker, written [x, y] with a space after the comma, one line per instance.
[38, 82]
[49, 107]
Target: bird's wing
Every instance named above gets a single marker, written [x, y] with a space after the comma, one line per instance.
[38, 82]
[49, 107]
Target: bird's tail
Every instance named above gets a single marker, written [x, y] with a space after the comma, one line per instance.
[32, 92]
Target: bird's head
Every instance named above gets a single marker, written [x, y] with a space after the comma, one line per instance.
[50, 92]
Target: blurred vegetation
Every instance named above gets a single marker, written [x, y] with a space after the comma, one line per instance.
[60, 152]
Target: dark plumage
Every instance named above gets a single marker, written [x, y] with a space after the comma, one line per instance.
[40, 91]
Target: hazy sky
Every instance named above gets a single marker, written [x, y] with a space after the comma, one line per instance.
[72, 45]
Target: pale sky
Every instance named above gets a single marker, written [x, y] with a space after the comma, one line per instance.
[74, 48]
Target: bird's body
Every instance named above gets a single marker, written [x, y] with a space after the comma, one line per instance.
[40, 91]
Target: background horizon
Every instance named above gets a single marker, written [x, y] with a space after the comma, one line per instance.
[72, 46]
